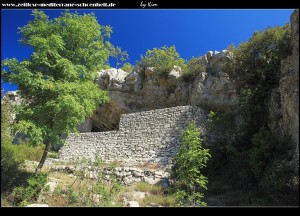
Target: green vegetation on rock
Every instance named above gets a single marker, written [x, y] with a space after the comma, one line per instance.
[127, 67]
[251, 155]
[193, 68]
[163, 60]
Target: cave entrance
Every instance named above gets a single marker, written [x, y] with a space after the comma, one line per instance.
[102, 127]
[95, 128]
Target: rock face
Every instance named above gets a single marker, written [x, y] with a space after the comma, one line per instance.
[284, 104]
[85, 126]
[289, 89]
[13, 97]
[214, 90]
[146, 90]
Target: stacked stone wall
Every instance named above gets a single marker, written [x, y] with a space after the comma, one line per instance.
[143, 137]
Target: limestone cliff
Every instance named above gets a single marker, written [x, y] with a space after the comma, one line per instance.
[146, 90]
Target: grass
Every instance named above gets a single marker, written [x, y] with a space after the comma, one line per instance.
[158, 200]
[80, 191]
[84, 192]
[148, 188]
[53, 154]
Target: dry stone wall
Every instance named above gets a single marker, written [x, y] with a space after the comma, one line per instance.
[143, 137]
[125, 175]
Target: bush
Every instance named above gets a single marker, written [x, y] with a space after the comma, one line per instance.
[163, 60]
[260, 154]
[11, 159]
[189, 162]
[193, 68]
[256, 67]
[280, 184]
[29, 193]
[12, 156]
[127, 67]
[30, 151]
[258, 60]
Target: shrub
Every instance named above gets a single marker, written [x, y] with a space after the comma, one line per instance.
[193, 68]
[260, 154]
[30, 151]
[280, 184]
[163, 60]
[11, 159]
[188, 165]
[29, 192]
[256, 67]
[127, 67]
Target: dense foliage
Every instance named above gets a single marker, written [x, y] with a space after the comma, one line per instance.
[189, 162]
[256, 67]
[23, 195]
[252, 156]
[11, 159]
[56, 82]
[163, 60]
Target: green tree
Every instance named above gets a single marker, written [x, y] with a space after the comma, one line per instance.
[189, 161]
[163, 59]
[120, 55]
[56, 83]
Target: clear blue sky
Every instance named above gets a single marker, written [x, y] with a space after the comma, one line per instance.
[193, 32]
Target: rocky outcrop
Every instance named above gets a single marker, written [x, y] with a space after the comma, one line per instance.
[143, 90]
[289, 90]
[284, 103]
[13, 97]
[214, 90]
[86, 126]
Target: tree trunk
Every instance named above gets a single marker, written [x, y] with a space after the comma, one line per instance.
[43, 159]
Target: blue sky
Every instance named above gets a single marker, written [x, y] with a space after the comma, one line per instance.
[193, 32]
